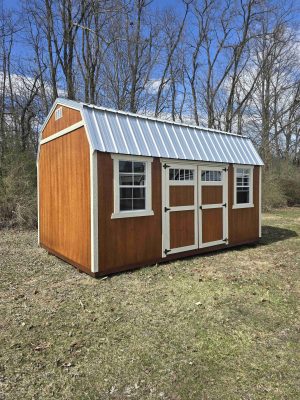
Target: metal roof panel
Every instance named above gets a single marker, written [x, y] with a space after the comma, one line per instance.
[126, 133]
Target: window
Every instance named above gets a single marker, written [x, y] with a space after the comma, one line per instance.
[58, 113]
[132, 186]
[211, 176]
[243, 187]
[181, 174]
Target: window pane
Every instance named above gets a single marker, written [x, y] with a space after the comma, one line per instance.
[125, 166]
[181, 174]
[242, 196]
[126, 179]
[139, 167]
[125, 204]
[139, 204]
[126, 193]
[139, 193]
[211, 176]
[139, 180]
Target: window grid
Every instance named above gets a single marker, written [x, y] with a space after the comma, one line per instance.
[132, 185]
[181, 174]
[211, 176]
[243, 185]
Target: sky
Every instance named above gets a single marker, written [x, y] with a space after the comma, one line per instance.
[16, 5]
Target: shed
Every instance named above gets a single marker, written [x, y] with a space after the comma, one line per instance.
[118, 190]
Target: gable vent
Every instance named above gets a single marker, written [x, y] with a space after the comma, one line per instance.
[58, 113]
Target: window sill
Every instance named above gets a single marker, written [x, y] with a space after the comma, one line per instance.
[131, 214]
[243, 206]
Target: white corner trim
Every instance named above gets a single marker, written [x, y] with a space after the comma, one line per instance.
[38, 200]
[62, 132]
[94, 211]
[259, 201]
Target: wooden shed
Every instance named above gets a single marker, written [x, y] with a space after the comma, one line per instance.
[118, 191]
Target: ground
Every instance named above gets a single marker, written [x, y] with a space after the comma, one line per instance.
[220, 326]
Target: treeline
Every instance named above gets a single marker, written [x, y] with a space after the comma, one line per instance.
[233, 65]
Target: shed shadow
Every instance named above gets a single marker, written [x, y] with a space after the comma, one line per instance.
[273, 234]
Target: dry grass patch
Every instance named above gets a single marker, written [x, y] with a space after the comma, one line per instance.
[224, 325]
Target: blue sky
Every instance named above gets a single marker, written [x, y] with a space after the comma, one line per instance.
[16, 5]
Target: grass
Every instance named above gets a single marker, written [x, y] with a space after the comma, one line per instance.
[220, 326]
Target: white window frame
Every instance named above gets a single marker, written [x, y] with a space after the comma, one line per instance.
[204, 168]
[243, 205]
[148, 199]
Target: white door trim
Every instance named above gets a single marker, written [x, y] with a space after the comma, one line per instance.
[223, 205]
[198, 202]
[166, 204]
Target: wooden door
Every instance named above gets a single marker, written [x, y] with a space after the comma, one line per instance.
[180, 218]
[213, 214]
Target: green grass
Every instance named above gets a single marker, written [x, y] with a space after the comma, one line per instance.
[220, 326]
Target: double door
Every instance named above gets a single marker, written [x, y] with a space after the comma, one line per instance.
[194, 207]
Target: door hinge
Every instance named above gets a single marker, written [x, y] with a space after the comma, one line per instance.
[225, 240]
[167, 251]
[225, 169]
[166, 166]
[224, 205]
[167, 209]
[200, 207]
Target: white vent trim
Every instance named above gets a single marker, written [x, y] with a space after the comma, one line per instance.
[58, 113]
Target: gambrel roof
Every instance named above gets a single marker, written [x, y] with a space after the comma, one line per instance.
[126, 133]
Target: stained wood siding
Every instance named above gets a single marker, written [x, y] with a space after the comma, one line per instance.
[212, 225]
[69, 117]
[181, 196]
[243, 222]
[182, 228]
[64, 197]
[212, 194]
[131, 241]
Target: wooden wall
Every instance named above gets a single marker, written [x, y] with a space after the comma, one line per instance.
[64, 197]
[243, 222]
[132, 241]
[70, 117]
